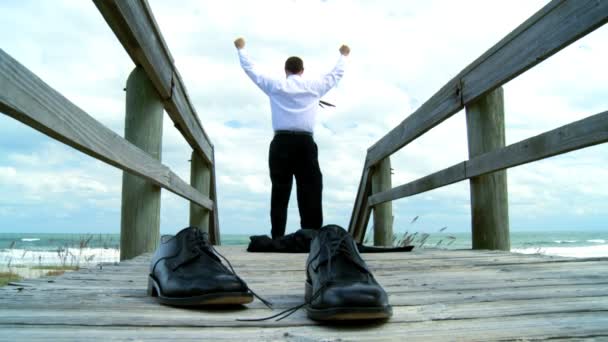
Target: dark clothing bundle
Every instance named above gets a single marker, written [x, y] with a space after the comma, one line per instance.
[299, 242]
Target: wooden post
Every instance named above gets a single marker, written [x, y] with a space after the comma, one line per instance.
[214, 221]
[383, 213]
[140, 212]
[489, 197]
[200, 179]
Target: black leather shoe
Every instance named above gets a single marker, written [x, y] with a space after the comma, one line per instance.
[339, 286]
[186, 270]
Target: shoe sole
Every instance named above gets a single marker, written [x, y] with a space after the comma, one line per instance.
[218, 298]
[349, 313]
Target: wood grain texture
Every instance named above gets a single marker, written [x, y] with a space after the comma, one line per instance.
[140, 204]
[587, 132]
[489, 195]
[438, 108]
[436, 295]
[450, 175]
[361, 210]
[135, 27]
[552, 28]
[214, 230]
[383, 213]
[186, 120]
[200, 179]
[28, 99]
[580, 134]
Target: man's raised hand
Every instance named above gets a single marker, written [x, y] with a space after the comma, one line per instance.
[344, 50]
[239, 43]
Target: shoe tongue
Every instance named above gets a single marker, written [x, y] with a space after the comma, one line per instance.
[333, 236]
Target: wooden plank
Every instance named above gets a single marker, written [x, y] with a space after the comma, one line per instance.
[583, 133]
[28, 99]
[450, 175]
[136, 29]
[436, 295]
[134, 25]
[587, 132]
[489, 196]
[552, 28]
[361, 211]
[184, 116]
[522, 327]
[400, 292]
[445, 103]
[151, 316]
[214, 230]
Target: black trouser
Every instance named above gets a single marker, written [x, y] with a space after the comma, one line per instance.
[295, 155]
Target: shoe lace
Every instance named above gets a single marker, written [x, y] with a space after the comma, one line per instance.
[333, 248]
[202, 244]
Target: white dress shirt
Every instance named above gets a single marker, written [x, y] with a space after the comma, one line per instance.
[294, 100]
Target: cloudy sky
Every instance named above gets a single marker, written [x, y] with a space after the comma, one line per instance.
[402, 53]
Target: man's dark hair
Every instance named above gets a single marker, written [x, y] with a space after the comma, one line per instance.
[294, 65]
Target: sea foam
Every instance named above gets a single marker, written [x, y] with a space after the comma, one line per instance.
[573, 252]
[61, 256]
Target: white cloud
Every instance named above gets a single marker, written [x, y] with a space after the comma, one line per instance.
[403, 52]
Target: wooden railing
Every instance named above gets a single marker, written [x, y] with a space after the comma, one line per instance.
[154, 85]
[477, 88]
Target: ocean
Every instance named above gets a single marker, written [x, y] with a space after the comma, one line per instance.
[30, 249]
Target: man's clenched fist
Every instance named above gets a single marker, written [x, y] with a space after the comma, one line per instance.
[239, 43]
[344, 50]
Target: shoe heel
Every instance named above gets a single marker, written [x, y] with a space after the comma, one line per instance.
[151, 288]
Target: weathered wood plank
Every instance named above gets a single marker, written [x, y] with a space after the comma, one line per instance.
[450, 175]
[587, 132]
[135, 27]
[489, 195]
[383, 213]
[445, 103]
[551, 29]
[140, 203]
[361, 210]
[28, 99]
[200, 179]
[214, 230]
[227, 318]
[523, 327]
[401, 293]
[583, 133]
[183, 114]
[436, 295]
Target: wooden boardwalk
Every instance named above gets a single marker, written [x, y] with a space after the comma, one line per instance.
[436, 295]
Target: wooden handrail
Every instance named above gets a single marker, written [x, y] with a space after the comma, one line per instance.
[587, 132]
[552, 28]
[28, 99]
[135, 27]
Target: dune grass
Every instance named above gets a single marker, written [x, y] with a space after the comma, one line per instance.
[7, 277]
[56, 270]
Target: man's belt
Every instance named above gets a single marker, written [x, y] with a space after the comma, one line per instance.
[286, 132]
